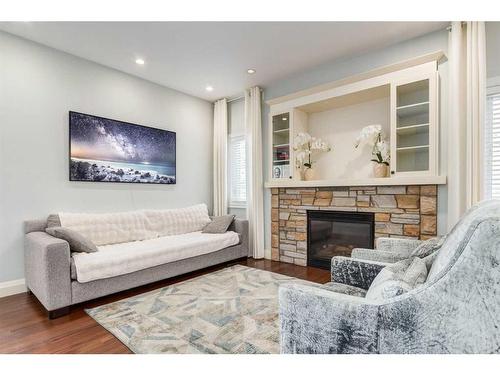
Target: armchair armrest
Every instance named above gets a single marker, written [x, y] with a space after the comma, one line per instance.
[355, 272]
[47, 269]
[401, 246]
[315, 320]
[376, 255]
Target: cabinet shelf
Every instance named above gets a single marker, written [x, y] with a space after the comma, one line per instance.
[282, 145]
[411, 110]
[422, 147]
[408, 127]
[281, 130]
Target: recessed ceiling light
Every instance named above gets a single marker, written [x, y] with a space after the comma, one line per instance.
[209, 88]
[251, 71]
[140, 61]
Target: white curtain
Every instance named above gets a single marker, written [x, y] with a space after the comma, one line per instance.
[220, 157]
[255, 200]
[466, 116]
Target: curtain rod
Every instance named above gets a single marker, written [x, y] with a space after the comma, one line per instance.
[235, 99]
[238, 97]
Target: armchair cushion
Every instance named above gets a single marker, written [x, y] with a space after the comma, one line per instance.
[397, 278]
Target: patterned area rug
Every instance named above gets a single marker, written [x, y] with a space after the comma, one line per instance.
[234, 310]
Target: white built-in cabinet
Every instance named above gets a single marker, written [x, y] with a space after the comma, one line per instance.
[410, 100]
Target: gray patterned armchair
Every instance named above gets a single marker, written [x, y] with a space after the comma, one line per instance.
[456, 310]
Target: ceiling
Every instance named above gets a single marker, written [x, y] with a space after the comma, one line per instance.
[188, 56]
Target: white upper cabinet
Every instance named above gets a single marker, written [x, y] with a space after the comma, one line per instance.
[414, 125]
[403, 101]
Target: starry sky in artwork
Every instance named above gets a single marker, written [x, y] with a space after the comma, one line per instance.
[103, 139]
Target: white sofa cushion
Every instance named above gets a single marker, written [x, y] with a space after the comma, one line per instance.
[109, 228]
[177, 220]
[120, 259]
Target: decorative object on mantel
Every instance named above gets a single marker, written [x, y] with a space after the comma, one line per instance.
[373, 135]
[304, 145]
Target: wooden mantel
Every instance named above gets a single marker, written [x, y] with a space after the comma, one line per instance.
[388, 181]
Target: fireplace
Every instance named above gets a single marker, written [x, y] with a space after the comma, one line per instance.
[336, 233]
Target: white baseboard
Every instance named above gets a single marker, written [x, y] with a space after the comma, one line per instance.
[9, 288]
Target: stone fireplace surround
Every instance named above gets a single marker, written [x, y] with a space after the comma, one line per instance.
[400, 211]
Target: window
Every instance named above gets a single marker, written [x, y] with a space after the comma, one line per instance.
[237, 171]
[492, 146]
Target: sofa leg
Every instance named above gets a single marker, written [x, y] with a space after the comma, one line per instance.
[54, 314]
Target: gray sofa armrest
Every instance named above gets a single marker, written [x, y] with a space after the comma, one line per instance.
[240, 226]
[47, 269]
[377, 255]
[401, 246]
[355, 272]
[315, 320]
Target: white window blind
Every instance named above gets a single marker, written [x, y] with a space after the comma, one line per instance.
[237, 171]
[492, 147]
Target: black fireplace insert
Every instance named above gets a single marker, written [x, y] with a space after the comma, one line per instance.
[334, 233]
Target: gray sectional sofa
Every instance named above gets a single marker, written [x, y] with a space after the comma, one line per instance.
[52, 277]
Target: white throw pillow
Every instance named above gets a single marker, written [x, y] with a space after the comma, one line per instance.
[178, 220]
[398, 278]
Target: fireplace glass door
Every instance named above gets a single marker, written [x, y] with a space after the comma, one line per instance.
[336, 233]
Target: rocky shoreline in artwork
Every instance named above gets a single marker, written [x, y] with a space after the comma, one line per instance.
[85, 171]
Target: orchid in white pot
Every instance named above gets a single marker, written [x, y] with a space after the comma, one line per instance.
[373, 135]
[305, 146]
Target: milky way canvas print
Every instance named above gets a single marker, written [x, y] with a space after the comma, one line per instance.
[108, 150]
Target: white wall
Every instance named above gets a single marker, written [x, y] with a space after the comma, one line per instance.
[340, 127]
[493, 49]
[343, 68]
[38, 86]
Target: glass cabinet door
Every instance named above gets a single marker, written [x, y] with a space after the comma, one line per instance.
[412, 126]
[281, 146]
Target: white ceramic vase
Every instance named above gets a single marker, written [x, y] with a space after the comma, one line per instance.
[380, 170]
[309, 174]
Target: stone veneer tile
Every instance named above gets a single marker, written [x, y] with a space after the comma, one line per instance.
[413, 189]
[389, 228]
[324, 194]
[275, 202]
[274, 214]
[284, 215]
[408, 201]
[379, 216]
[428, 224]
[322, 202]
[428, 190]
[391, 189]
[411, 230]
[405, 218]
[344, 201]
[428, 205]
[384, 201]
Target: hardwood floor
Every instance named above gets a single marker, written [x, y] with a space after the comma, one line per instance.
[25, 328]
